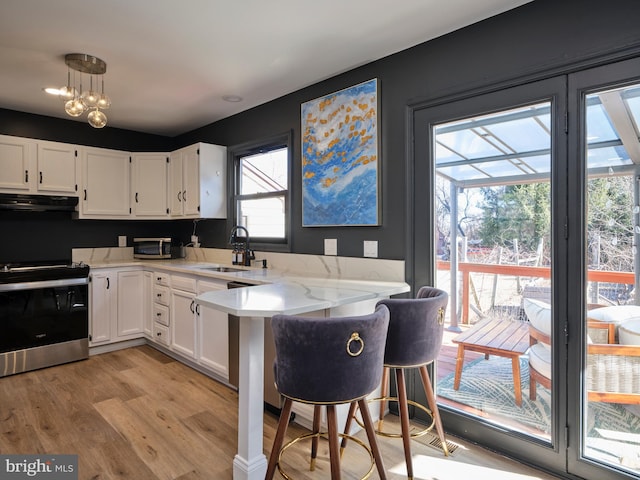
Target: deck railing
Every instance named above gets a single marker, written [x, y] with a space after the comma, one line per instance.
[466, 268]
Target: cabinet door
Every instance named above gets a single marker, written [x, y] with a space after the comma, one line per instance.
[213, 334]
[191, 181]
[103, 306]
[56, 168]
[174, 191]
[183, 323]
[213, 183]
[105, 183]
[15, 155]
[149, 173]
[130, 304]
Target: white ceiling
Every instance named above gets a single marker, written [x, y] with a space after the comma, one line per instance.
[169, 62]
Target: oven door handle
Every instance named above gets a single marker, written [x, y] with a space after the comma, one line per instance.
[65, 282]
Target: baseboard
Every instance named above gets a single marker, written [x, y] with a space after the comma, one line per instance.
[112, 347]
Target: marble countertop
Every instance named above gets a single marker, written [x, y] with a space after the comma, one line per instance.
[250, 275]
[294, 296]
[273, 292]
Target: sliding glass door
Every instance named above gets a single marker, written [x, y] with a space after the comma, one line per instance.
[494, 164]
[525, 207]
[605, 428]
[493, 226]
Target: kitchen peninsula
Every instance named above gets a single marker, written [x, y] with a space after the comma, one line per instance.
[294, 284]
[254, 304]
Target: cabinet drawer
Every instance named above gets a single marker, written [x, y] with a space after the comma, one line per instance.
[161, 295]
[186, 284]
[161, 279]
[161, 334]
[161, 314]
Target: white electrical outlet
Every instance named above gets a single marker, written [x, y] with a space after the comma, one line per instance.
[331, 246]
[371, 248]
[122, 240]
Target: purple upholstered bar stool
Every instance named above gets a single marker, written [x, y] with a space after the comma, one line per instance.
[414, 339]
[328, 361]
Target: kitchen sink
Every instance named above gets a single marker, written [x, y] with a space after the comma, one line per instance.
[223, 269]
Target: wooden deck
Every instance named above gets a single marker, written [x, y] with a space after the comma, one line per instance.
[446, 365]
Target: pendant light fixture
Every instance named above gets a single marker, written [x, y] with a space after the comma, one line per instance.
[76, 102]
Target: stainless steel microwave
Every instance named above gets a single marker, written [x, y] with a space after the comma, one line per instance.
[152, 248]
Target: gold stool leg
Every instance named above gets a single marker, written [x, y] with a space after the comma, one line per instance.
[371, 435]
[433, 404]
[347, 426]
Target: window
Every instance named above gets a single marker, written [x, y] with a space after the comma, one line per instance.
[261, 190]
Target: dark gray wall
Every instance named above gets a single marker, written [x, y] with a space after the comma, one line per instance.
[540, 39]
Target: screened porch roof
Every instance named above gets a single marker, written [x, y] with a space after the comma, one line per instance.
[512, 147]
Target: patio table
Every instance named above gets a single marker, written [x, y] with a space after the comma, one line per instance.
[503, 338]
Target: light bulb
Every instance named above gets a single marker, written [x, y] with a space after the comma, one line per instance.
[74, 107]
[90, 98]
[67, 93]
[97, 119]
[104, 101]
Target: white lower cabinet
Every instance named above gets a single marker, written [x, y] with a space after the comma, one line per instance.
[183, 315]
[161, 315]
[212, 333]
[117, 308]
[130, 305]
[183, 319]
[104, 305]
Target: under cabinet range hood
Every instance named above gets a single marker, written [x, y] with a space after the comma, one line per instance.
[37, 203]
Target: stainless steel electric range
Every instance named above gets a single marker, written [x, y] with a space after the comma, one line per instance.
[44, 315]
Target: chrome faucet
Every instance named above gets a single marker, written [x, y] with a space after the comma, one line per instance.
[243, 246]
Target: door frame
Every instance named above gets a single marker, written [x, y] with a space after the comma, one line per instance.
[421, 250]
[579, 85]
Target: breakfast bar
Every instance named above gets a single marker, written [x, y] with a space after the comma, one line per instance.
[253, 304]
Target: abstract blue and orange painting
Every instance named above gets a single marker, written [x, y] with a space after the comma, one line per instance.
[340, 158]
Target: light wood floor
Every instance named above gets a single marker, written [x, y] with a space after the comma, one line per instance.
[138, 414]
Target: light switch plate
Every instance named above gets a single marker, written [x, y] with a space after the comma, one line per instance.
[122, 240]
[331, 246]
[371, 248]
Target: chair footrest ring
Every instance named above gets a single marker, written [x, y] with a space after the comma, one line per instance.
[324, 435]
[382, 433]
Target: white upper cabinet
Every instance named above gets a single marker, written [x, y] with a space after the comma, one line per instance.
[149, 177]
[37, 166]
[197, 182]
[57, 168]
[15, 164]
[112, 184]
[105, 184]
